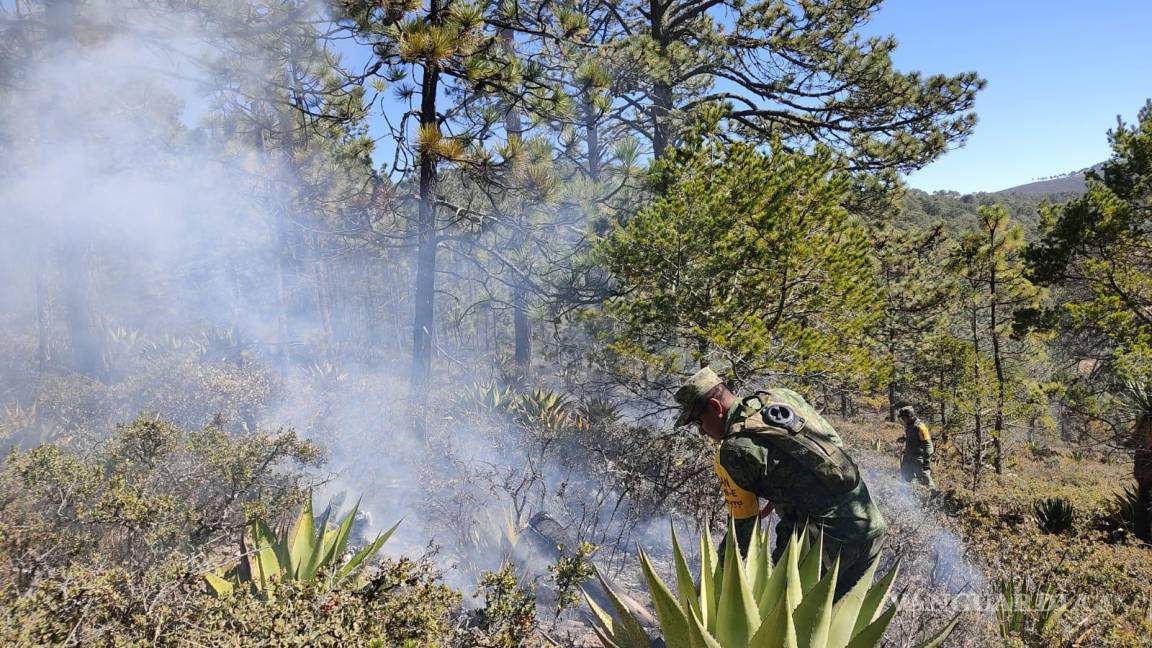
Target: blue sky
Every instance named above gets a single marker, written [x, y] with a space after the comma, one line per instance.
[1059, 72]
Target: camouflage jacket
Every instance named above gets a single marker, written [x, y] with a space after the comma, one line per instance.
[917, 443]
[754, 461]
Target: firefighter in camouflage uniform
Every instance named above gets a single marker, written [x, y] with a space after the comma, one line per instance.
[774, 445]
[918, 449]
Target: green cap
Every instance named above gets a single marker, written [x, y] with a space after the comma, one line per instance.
[694, 389]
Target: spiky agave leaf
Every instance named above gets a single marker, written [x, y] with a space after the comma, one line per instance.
[219, 585]
[300, 552]
[737, 618]
[673, 620]
[359, 560]
[783, 615]
[302, 543]
[813, 617]
[689, 597]
[628, 632]
[847, 609]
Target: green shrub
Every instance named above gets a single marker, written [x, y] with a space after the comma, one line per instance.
[402, 604]
[508, 619]
[148, 491]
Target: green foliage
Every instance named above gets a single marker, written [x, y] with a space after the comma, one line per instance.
[508, 619]
[149, 490]
[1054, 514]
[1094, 250]
[545, 412]
[801, 72]
[746, 257]
[305, 551]
[401, 604]
[569, 573]
[737, 603]
[918, 293]
[489, 397]
[548, 412]
[989, 263]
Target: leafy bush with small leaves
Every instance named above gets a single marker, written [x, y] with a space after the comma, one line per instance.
[402, 604]
[570, 572]
[1054, 514]
[508, 619]
[148, 491]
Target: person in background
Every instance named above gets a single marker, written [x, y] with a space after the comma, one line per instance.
[918, 449]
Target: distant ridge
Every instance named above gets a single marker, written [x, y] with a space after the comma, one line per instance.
[1065, 184]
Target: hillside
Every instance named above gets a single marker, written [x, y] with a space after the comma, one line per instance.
[1069, 183]
[958, 212]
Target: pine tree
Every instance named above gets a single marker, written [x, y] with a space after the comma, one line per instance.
[917, 291]
[1096, 248]
[991, 265]
[747, 259]
[800, 72]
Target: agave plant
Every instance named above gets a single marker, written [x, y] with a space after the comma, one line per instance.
[168, 344]
[753, 604]
[1053, 514]
[544, 410]
[219, 344]
[326, 373]
[120, 344]
[1120, 514]
[1030, 612]
[304, 551]
[491, 398]
[599, 412]
[1137, 397]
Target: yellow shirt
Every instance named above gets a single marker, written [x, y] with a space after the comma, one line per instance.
[742, 504]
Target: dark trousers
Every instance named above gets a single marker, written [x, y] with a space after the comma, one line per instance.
[855, 559]
[1143, 513]
[915, 470]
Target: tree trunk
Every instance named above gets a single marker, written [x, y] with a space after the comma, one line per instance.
[521, 327]
[283, 354]
[979, 459]
[661, 89]
[323, 299]
[86, 351]
[591, 134]
[278, 239]
[43, 317]
[368, 302]
[1001, 382]
[892, 399]
[424, 316]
